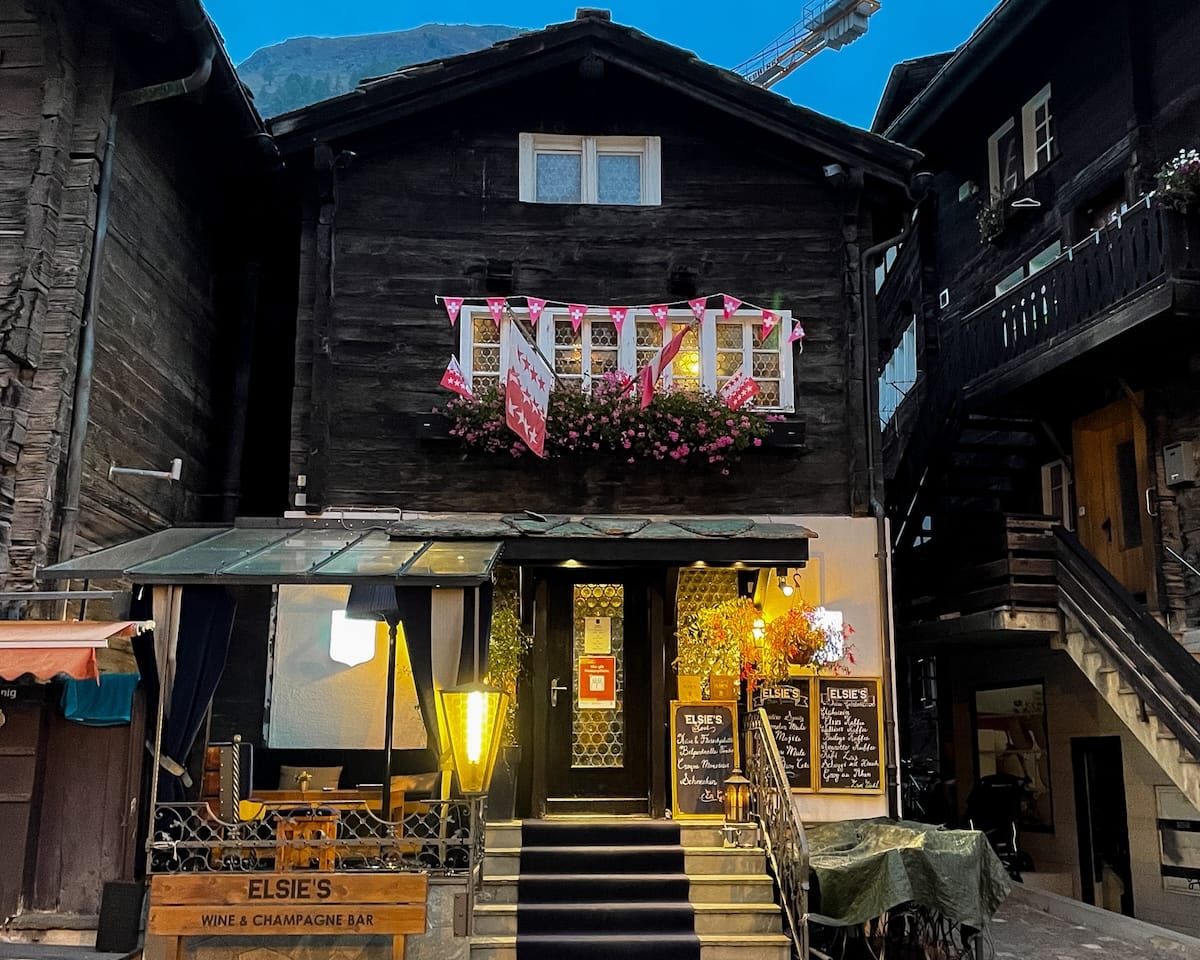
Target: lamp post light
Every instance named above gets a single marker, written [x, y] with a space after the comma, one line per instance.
[475, 721]
[737, 808]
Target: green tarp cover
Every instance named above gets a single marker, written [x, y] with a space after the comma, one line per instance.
[863, 868]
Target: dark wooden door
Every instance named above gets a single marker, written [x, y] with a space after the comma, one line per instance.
[22, 745]
[1103, 823]
[595, 681]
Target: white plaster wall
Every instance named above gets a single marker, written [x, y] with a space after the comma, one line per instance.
[319, 704]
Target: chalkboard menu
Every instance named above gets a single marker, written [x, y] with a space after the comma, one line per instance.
[703, 755]
[849, 727]
[788, 706]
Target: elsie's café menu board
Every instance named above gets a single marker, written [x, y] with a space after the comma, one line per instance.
[846, 716]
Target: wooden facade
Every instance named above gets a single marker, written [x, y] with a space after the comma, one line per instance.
[414, 191]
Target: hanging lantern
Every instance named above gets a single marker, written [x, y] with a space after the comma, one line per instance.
[737, 798]
[475, 720]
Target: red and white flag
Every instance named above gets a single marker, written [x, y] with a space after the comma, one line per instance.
[729, 305]
[527, 384]
[496, 307]
[698, 306]
[452, 305]
[651, 372]
[576, 311]
[796, 334]
[769, 322]
[618, 315]
[536, 306]
[739, 390]
[659, 312]
[453, 379]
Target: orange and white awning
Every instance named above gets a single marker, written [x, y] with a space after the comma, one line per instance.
[51, 648]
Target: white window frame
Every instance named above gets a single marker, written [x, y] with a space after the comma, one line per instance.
[1064, 503]
[1030, 128]
[627, 344]
[899, 375]
[589, 149]
[997, 187]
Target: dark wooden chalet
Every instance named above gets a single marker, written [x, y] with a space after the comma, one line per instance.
[1037, 365]
[132, 166]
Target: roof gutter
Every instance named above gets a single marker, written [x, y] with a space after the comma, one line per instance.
[990, 39]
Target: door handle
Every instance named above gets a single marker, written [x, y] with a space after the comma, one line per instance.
[555, 689]
[1149, 509]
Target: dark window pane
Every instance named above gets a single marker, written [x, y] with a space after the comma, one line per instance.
[1131, 502]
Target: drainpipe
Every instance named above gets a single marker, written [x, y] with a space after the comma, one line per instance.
[917, 189]
[81, 399]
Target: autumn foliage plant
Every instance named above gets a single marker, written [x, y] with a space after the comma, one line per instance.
[676, 427]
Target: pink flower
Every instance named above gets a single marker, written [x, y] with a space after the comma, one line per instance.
[673, 435]
[630, 460]
[758, 441]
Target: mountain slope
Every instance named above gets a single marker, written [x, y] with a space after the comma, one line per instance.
[303, 70]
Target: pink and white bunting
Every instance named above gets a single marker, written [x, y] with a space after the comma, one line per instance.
[797, 333]
[698, 306]
[527, 384]
[453, 379]
[536, 306]
[739, 390]
[618, 315]
[496, 307]
[729, 305]
[660, 312]
[452, 305]
[576, 311]
[769, 321]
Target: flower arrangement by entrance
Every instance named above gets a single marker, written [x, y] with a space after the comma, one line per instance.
[508, 652]
[1179, 181]
[732, 639]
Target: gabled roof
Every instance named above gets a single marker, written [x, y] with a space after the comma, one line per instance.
[906, 80]
[999, 30]
[433, 85]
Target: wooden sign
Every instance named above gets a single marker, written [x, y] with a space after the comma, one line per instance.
[849, 735]
[314, 904]
[789, 708]
[704, 751]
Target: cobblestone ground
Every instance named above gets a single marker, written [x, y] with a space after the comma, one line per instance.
[1021, 932]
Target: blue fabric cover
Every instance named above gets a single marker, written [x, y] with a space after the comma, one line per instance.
[104, 704]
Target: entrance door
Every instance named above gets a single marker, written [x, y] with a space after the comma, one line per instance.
[1111, 477]
[596, 686]
[1103, 823]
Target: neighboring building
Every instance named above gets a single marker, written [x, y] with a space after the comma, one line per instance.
[115, 351]
[1038, 369]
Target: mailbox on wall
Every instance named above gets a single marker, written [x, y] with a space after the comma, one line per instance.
[1179, 462]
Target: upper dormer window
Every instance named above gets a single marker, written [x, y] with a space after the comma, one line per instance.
[1037, 128]
[1017, 152]
[608, 170]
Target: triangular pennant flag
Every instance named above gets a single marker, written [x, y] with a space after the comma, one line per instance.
[536, 306]
[452, 305]
[698, 306]
[659, 312]
[453, 379]
[796, 334]
[496, 307]
[576, 312]
[769, 320]
[730, 305]
[618, 315]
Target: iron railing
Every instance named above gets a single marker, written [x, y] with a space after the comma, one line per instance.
[439, 837]
[782, 830]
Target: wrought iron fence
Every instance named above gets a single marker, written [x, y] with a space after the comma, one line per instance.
[782, 830]
[439, 837]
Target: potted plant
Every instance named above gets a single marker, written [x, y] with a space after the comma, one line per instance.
[508, 649]
[990, 218]
[710, 643]
[1179, 181]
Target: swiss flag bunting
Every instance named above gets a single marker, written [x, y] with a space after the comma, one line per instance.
[796, 334]
[618, 316]
[659, 312]
[576, 311]
[452, 305]
[739, 389]
[769, 320]
[496, 307]
[698, 306]
[453, 379]
[729, 305]
[536, 306]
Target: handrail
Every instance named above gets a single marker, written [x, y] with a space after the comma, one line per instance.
[783, 835]
[1165, 676]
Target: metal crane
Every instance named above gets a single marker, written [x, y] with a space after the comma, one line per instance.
[823, 24]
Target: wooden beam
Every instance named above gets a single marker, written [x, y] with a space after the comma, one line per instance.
[322, 327]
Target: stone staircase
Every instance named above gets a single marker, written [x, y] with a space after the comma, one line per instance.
[730, 892]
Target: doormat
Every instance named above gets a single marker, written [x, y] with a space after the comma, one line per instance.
[596, 891]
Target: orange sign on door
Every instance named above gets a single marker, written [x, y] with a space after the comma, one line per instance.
[597, 686]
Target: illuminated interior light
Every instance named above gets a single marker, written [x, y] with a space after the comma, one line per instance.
[351, 641]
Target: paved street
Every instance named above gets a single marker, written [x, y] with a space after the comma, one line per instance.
[1022, 932]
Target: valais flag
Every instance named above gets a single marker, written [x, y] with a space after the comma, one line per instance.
[453, 379]
[527, 384]
[652, 371]
[739, 390]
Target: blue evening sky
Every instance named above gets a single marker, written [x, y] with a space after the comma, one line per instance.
[845, 84]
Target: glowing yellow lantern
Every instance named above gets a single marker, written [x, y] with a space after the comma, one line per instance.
[475, 720]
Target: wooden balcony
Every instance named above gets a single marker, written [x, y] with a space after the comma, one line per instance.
[1136, 268]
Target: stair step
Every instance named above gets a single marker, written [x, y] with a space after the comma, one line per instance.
[502, 861]
[713, 946]
[507, 834]
[500, 919]
[709, 888]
